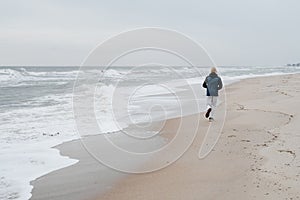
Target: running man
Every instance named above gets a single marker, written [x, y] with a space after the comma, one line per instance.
[213, 83]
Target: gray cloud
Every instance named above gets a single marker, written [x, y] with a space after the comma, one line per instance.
[62, 32]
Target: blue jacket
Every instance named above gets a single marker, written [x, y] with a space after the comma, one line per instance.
[213, 84]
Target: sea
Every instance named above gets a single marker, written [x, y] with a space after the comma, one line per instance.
[36, 109]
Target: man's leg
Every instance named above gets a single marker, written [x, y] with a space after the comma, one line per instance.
[213, 104]
[209, 106]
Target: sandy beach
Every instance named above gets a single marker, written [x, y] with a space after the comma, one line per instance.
[256, 156]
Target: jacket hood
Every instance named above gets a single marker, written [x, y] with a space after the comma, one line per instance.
[213, 74]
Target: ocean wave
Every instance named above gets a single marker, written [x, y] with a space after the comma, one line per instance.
[20, 76]
[108, 113]
[10, 74]
[113, 73]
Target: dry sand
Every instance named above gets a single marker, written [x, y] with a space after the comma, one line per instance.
[256, 157]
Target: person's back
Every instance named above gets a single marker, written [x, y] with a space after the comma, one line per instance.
[213, 83]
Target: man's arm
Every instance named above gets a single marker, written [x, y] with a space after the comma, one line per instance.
[204, 84]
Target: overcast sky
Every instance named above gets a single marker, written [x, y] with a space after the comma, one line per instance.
[235, 32]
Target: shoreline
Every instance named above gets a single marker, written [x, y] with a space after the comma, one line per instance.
[132, 178]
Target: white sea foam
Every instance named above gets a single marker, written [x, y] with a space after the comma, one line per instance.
[27, 137]
[105, 110]
[150, 90]
[21, 77]
[113, 73]
[25, 161]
